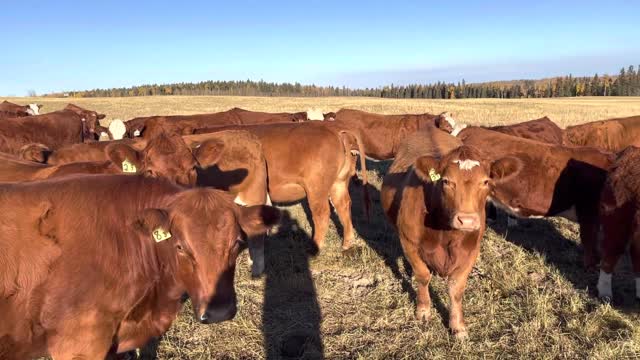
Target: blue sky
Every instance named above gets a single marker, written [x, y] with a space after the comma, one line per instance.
[73, 45]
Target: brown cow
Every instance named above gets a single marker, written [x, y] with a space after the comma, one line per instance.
[185, 124]
[314, 161]
[234, 161]
[383, 134]
[107, 259]
[164, 156]
[543, 130]
[435, 198]
[620, 219]
[54, 129]
[554, 181]
[611, 135]
[10, 110]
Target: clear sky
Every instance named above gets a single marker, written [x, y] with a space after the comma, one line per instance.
[75, 45]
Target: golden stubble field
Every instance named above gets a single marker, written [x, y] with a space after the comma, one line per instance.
[528, 296]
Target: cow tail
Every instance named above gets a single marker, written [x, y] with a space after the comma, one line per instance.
[363, 168]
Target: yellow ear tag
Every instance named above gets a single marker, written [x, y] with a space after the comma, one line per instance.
[128, 167]
[434, 175]
[160, 235]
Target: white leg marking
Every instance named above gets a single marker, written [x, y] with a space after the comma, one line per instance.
[604, 285]
[268, 202]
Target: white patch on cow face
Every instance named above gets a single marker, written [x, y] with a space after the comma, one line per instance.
[239, 201]
[315, 115]
[117, 129]
[450, 120]
[33, 109]
[458, 128]
[136, 133]
[604, 285]
[466, 164]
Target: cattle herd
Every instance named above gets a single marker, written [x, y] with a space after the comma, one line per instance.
[102, 239]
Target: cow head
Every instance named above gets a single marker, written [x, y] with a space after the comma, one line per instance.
[33, 109]
[331, 116]
[164, 156]
[459, 183]
[91, 119]
[446, 122]
[117, 129]
[299, 117]
[200, 235]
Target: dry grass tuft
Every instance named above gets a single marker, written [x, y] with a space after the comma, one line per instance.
[528, 296]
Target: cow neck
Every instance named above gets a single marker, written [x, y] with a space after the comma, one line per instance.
[83, 121]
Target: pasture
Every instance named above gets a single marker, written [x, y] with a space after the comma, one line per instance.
[528, 297]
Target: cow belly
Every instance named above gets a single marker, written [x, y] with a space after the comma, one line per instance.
[286, 192]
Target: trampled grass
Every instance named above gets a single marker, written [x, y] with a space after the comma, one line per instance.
[528, 297]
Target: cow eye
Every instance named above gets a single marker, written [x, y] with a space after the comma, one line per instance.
[179, 248]
[486, 182]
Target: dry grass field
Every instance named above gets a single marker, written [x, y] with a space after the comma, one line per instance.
[528, 296]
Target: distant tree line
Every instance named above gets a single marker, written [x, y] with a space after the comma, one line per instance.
[626, 83]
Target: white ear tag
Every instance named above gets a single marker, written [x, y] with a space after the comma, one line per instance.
[136, 133]
[160, 235]
[128, 167]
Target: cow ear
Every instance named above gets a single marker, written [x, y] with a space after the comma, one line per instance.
[505, 168]
[101, 116]
[427, 168]
[35, 152]
[208, 153]
[46, 225]
[155, 224]
[256, 220]
[125, 157]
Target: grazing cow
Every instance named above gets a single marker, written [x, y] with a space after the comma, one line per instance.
[611, 135]
[314, 161]
[543, 130]
[383, 134]
[435, 198]
[185, 124]
[164, 156]
[54, 130]
[11, 110]
[107, 259]
[554, 181]
[234, 161]
[620, 218]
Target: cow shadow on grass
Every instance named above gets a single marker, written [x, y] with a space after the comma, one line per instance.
[543, 237]
[291, 314]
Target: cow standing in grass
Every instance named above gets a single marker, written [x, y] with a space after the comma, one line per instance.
[435, 198]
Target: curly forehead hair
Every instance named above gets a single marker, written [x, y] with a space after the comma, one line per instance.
[464, 153]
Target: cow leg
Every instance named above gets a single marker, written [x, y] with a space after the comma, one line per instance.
[613, 246]
[589, 227]
[256, 255]
[423, 276]
[319, 206]
[342, 203]
[635, 260]
[96, 341]
[457, 285]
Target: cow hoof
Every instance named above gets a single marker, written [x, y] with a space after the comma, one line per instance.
[423, 313]
[461, 335]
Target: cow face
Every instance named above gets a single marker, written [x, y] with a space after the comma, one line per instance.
[446, 122]
[331, 116]
[202, 233]
[299, 117]
[459, 185]
[33, 109]
[164, 156]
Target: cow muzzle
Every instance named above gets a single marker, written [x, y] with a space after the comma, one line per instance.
[218, 313]
[466, 221]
